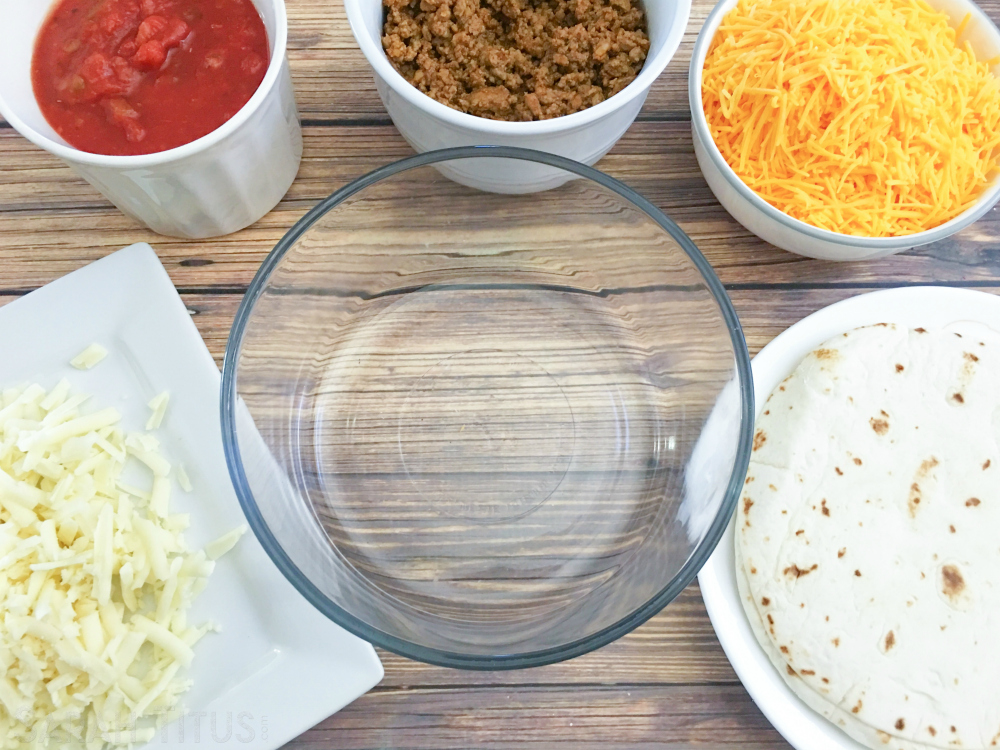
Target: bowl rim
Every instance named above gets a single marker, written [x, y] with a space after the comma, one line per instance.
[651, 70]
[186, 150]
[699, 123]
[917, 305]
[229, 398]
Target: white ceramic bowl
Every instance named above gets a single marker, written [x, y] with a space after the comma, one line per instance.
[780, 229]
[215, 185]
[927, 306]
[584, 136]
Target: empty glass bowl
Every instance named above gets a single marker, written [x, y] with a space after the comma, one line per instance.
[487, 431]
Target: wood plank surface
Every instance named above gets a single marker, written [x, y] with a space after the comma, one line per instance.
[668, 683]
[52, 222]
[582, 717]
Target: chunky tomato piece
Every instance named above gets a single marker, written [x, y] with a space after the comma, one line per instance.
[140, 76]
[106, 76]
[151, 55]
[122, 114]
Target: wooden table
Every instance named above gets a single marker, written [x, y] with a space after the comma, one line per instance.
[667, 683]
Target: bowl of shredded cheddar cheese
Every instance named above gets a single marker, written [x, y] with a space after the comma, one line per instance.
[849, 129]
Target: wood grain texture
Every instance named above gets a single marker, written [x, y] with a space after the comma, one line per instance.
[52, 222]
[584, 718]
[668, 683]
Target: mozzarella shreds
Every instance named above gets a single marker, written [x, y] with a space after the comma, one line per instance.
[224, 543]
[89, 357]
[95, 576]
[182, 478]
[159, 406]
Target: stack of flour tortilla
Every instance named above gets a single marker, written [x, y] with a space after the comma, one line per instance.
[868, 535]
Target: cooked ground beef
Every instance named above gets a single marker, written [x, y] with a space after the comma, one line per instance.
[517, 59]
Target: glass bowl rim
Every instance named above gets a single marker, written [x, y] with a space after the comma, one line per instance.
[400, 646]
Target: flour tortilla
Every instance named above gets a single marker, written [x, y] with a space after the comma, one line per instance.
[850, 724]
[868, 535]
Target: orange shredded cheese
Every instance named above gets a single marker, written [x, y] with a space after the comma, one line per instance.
[863, 117]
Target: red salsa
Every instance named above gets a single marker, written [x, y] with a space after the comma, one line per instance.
[126, 77]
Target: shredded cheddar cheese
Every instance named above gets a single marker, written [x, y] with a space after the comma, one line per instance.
[863, 117]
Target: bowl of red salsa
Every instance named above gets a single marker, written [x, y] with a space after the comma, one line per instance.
[180, 111]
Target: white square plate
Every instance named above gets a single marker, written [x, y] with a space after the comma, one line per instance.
[279, 666]
[928, 306]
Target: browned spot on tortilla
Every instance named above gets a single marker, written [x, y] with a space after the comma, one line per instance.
[781, 387]
[951, 529]
[857, 707]
[759, 439]
[767, 411]
[747, 505]
[791, 671]
[957, 334]
[958, 397]
[986, 465]
[800, 532]
[857, 573]
[969, 356]
[784, 649]
[953, 584]
[920, 330]
[890, 640]
[772, 487]
[765, 601]
[839, 472]
[857, 462]
[842, 552]
[808, 672]
[826, 511]
[900, 725]
[753, 571]
[915, 494]
[933, 731]
[836, 642]
[953, 730]
[879, 425]
[972, 502]
[899, 367]
[770, 620]
[826, 353]
[883, 412]
[795, 570]
[748, 480]
[914, 498]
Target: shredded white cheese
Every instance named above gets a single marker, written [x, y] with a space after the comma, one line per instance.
[182, 478]
[95, 578]
[159, 406]
[88, 358]
[224, 543]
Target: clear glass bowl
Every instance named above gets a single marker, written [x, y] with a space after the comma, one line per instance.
[487, 431]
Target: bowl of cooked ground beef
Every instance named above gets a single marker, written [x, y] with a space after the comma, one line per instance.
[563, 76]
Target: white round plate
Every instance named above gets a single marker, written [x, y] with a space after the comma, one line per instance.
[927, 306]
